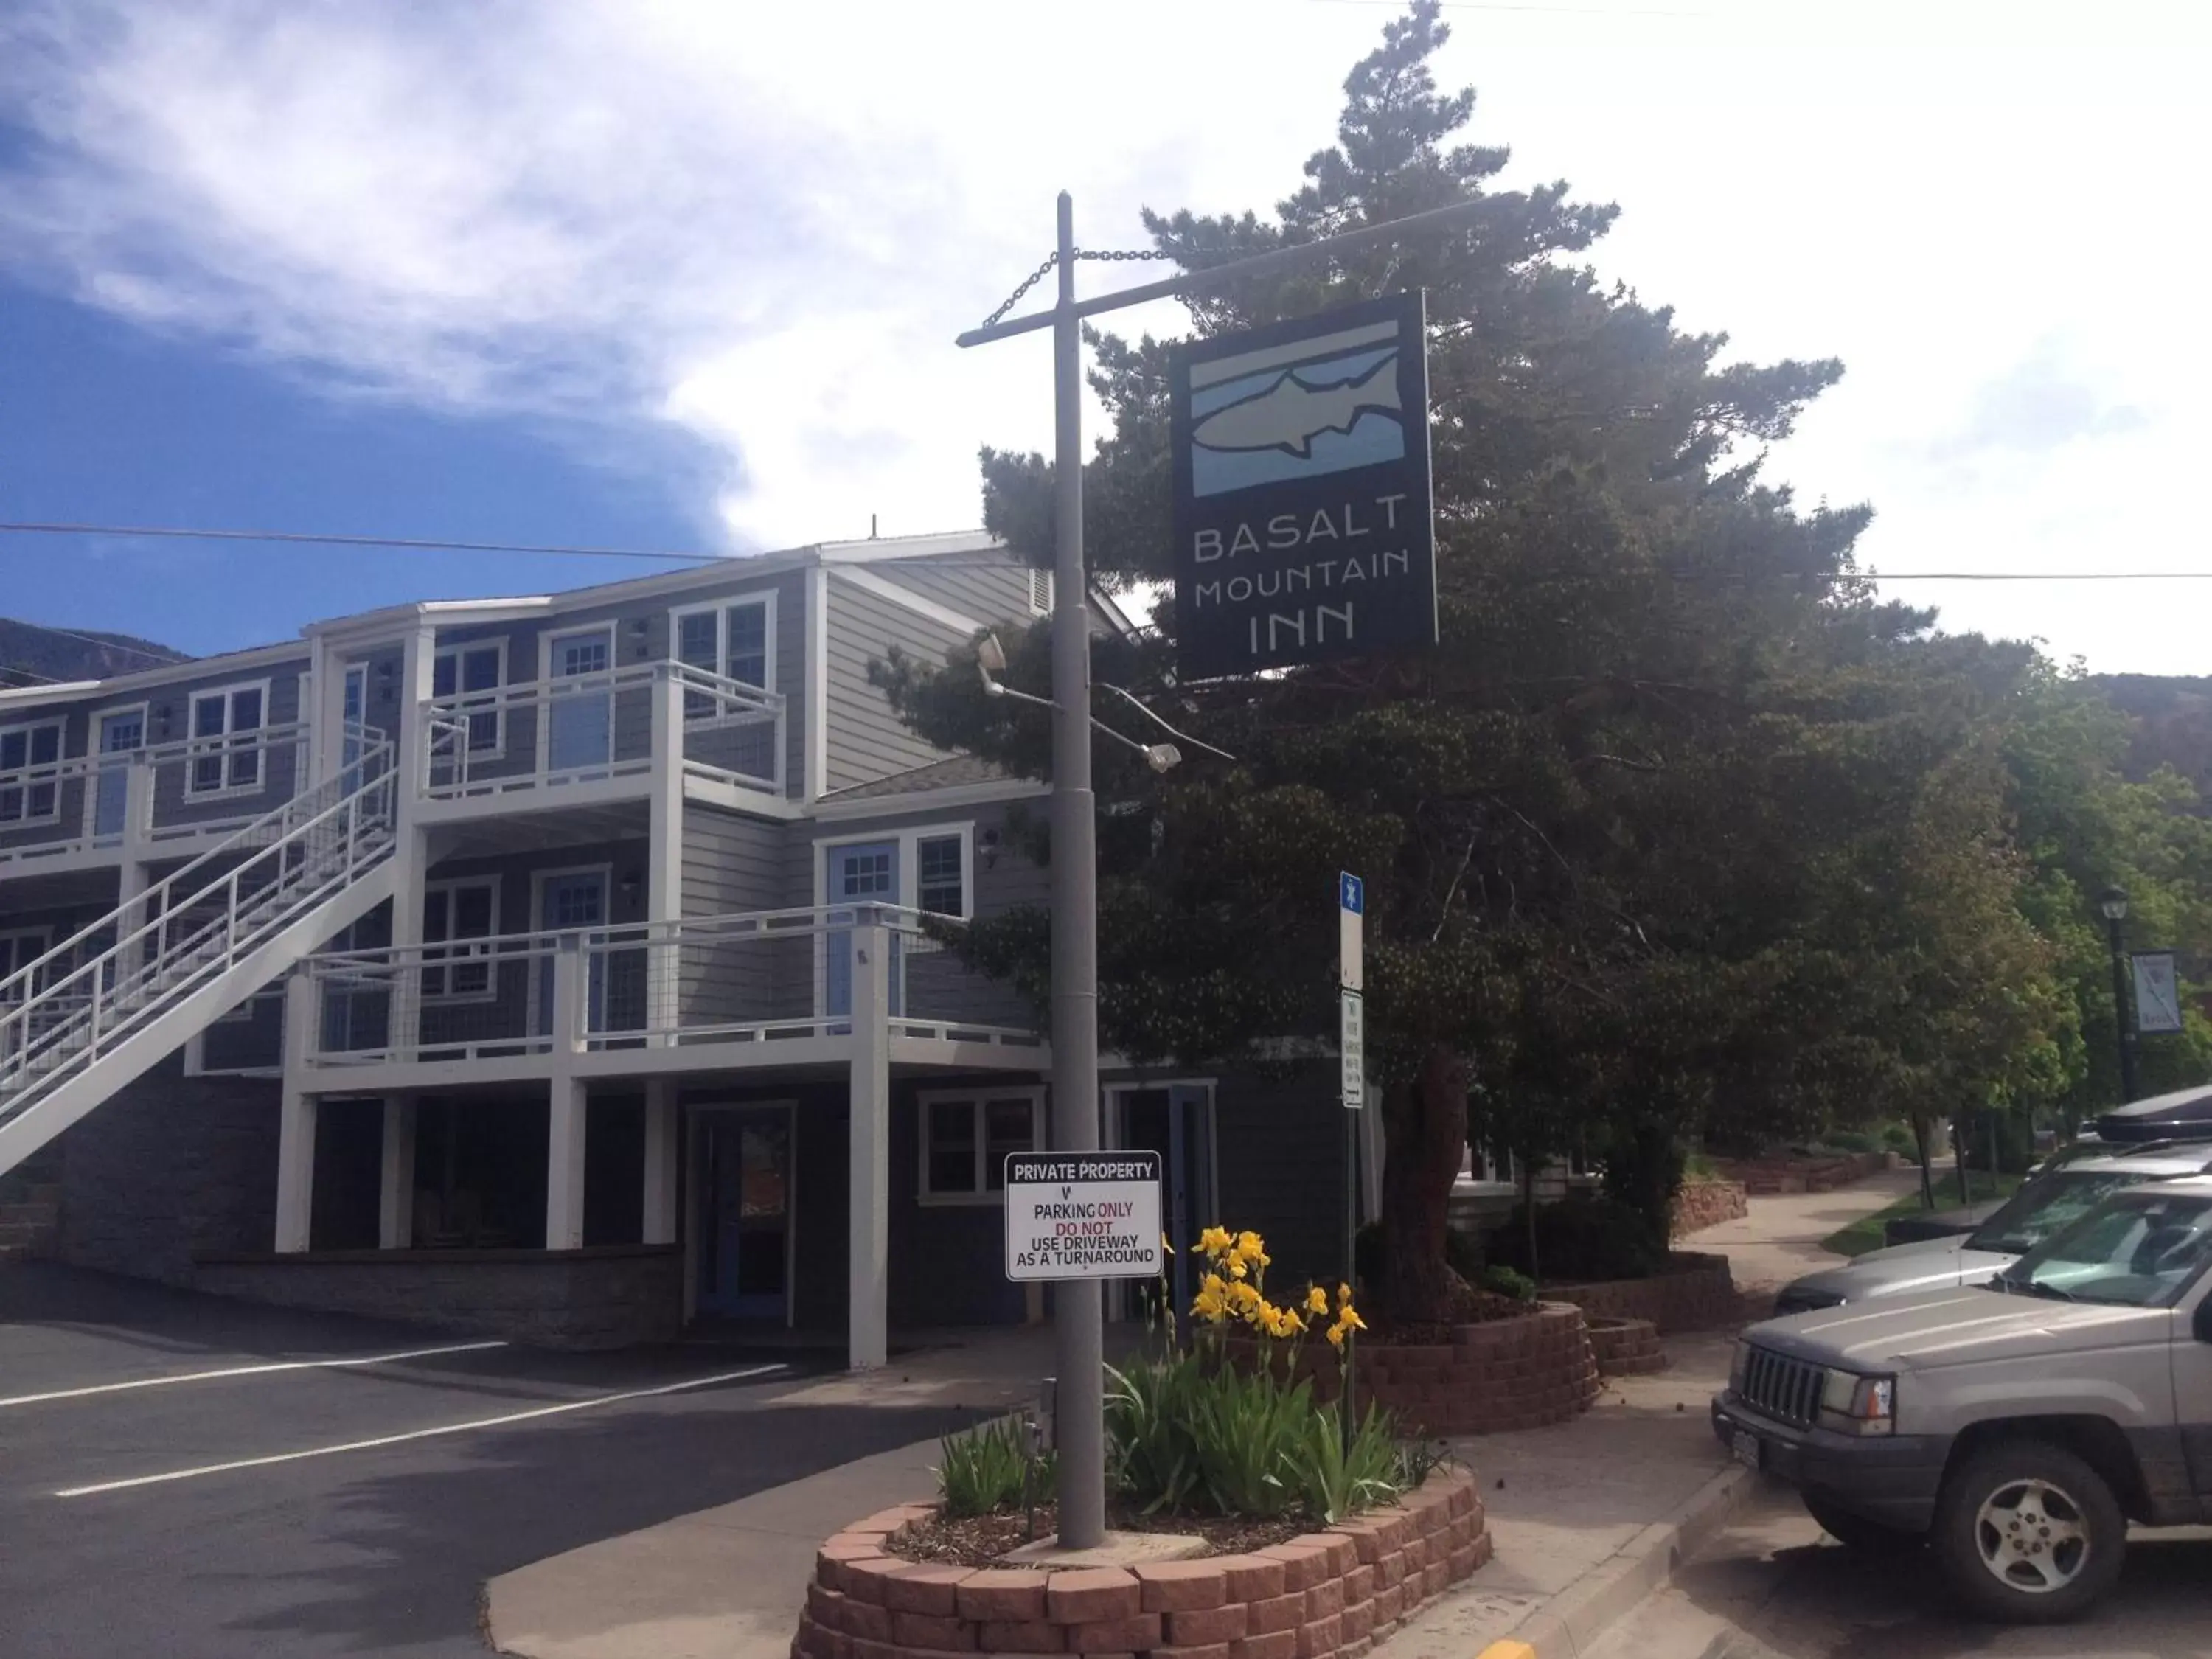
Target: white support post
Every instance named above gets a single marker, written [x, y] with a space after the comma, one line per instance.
[662, 1131]
[418, 663]
[564, 1148]
[395, 1197]
[564, 1166]
[664, 859]
[295, 1122]
[868, 1273]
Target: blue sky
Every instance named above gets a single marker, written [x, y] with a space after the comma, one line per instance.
[657, 272]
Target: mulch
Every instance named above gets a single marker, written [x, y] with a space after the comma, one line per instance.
[1469, 1307]
[984, 1541]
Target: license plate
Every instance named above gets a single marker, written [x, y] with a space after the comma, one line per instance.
[1746, 1449]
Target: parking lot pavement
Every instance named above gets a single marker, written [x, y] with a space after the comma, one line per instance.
[1773, 1583]
[185, 1476]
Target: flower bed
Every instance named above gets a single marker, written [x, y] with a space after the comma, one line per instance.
[1702, 1204]
[1694, 1294]
[1625, 1347]
[1323, 1594]
[1520, 1373]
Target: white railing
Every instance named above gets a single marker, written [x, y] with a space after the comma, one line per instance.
[548, 734]
[760, 977]
[91, 992]
[183, 790]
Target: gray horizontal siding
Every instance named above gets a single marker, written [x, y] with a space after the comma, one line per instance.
[733, 865]
[991, 592]
[866, 739]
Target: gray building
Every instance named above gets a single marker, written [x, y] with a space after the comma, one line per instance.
[571, 968]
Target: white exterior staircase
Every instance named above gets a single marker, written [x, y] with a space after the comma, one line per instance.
[102, 1007]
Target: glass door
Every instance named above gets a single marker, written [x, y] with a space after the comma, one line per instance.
[745, 1162]
[581, 720]
[573, 903]
[1175, 1120]
[866, 873]
[122, 735]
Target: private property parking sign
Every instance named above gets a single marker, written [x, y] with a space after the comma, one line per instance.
[1083, 1215]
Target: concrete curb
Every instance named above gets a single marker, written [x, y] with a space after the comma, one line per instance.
[1566, 1624]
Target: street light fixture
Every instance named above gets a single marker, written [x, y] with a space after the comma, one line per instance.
[991, 661]
[2113, 902]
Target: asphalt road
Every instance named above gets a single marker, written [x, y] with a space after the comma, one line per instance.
[1773, 1583]
[296, 1508]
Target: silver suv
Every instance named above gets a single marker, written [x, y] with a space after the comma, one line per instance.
[2037, 1211]
[2016, 1427]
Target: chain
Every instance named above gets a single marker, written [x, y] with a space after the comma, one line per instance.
[1052, 259]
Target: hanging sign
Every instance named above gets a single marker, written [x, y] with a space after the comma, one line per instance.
[1083, 1215]
[1302, 507]
[1352, 1045]
[2158, 997]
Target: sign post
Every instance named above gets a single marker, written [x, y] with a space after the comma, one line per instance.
[1077, 1330]
[1351, 1045]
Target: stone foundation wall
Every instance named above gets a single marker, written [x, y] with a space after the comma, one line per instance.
[1702, 1204]
[1696, 1294]
[607, 1297]
[1329, 1595]
[1511, 1373]
[1626, 1347]
[1765, 1177]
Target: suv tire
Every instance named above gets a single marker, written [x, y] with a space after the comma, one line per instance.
[1858, 1533]
[2028, 1533]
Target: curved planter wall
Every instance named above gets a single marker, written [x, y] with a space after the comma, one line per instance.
[1695, 1294]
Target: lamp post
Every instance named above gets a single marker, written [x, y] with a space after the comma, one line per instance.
[2113, 902]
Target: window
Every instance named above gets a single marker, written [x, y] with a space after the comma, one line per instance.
[1040, 592]
[18, 950]
[29, 799]
[454, 912]
[733, 640]
[966, 1138]
[940, 875]
[466, 673]
[226, 740]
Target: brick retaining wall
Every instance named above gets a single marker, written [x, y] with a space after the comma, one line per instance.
[1765, 1177]
[1696, 1294]
[1510, 1374]
[1702, 1204]
[1626, 1347]
[1330, 1594]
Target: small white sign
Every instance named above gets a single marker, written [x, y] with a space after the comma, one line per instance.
[1351, 918]
[1351, 1043]
[2158, 997]
[1083, 1215]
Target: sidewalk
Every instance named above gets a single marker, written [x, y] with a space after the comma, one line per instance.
[1587, 1516]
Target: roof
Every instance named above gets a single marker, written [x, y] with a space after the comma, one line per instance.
[954, 772]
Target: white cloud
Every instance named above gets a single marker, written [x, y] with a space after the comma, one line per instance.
[764, 223]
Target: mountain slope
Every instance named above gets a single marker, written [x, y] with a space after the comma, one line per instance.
[31, 654]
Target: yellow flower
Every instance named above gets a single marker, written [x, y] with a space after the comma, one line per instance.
[1350, 1321]
[1237, 1268]
[1343, 1296]
[1285, 1322]
[1317, 1300]
[1244, 1294]
[1212, 1302]
[1165, 1246]
[1336, 1336]
[1214, 1240]
[1249, 1244]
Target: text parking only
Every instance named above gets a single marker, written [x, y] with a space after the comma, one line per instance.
[1083, 1215]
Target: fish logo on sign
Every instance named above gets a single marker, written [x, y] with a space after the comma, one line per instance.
[1324, 405]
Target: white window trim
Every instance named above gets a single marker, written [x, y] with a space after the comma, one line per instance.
[197, 748]
[929, 1100]
[497, 750]
[44, 936]
[22, 778]
[461, 957]
[101, 716]
[720, 609]
[546, 643]
[538, 926]
[909, 841]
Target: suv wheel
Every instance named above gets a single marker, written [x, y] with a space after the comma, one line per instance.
[2028, 1533]
[1858, 1533]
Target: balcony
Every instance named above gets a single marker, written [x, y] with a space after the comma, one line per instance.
[713, 993]
[599, 736]
[171, 799]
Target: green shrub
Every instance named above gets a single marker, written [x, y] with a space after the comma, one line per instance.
[1897, 1138]
[1151, 1448]
[989, 1467]
[1583, 1237]
[1851, 1140]
[1336, 1480]
[1501, 1280]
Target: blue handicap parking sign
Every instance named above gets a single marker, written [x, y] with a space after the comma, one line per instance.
[1352, 894]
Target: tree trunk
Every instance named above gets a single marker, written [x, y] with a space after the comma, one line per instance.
[1424, 1132]
[1922, 1129]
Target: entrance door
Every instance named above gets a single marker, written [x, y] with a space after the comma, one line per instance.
[866, 873]
[573, 903]
[1175, 1120]
[744, 1164]
[122, 734]
[581, 720]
